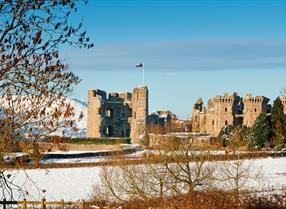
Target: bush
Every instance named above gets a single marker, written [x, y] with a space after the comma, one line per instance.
[214, 199]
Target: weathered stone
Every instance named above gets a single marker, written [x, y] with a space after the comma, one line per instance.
[117, 115]
[227, 110]
[283, 100]
[139, 114]
[253, 107]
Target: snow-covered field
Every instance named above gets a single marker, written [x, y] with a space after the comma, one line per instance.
[76, 183]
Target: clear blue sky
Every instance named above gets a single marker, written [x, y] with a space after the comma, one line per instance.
[190, 49]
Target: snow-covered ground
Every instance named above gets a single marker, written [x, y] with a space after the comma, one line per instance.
[76, 183]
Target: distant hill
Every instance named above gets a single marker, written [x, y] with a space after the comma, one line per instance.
[79, 127]
[79, 106]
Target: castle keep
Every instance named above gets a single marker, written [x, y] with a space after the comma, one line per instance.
[227, 110]
[118, 114]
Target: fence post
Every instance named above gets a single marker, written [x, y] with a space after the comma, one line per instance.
[83, 204]
[4, 203]
[62, 204]
[43, 204]
[24, 203]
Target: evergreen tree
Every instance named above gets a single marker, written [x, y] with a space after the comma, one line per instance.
[278, 121]
[260, 132]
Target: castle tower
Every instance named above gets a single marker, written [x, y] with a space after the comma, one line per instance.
[253, 106]
[198, 117]
[283, 100]
[221, 112]
[139, 114]
[94, 101]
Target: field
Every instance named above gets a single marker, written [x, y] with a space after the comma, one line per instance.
[76, 183]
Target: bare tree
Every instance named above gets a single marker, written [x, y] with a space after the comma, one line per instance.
[133, 182]
[33, 80]
[189, 168]
[239, 175]
[175, 170]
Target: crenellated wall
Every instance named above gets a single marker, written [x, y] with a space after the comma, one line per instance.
[227, 110]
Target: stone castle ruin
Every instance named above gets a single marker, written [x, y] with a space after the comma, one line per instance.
[118, 114]
[225, 110]
[126, 114]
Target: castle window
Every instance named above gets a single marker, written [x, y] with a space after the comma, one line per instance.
[213, 122]
[109, 113]
[109, 131]
[134, 115]
[255, 110]
[225, 122]
[225, 109]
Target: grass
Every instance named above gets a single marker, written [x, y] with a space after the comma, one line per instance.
[105, 141]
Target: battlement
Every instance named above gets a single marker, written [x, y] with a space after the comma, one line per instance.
[96, 93]
[255, 99]
[227, 110]
[226, 98]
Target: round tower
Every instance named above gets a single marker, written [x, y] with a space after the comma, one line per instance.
[139, 114]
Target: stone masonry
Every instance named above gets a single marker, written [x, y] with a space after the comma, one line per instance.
[118, 115]
[227, 110]
[253, 106]
[283, 100]
[139, 114]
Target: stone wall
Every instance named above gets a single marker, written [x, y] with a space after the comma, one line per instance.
[108, 117]
[94, 100]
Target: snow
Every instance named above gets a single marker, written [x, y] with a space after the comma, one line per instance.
[79, 106]
[76, 183]
[67, 183]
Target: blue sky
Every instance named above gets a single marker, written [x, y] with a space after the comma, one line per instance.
[190, 49]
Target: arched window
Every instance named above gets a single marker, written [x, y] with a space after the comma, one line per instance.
[225, 122]
[225, 109]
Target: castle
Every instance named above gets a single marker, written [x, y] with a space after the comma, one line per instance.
[227, 110]
[126, 114]
[118, 114]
